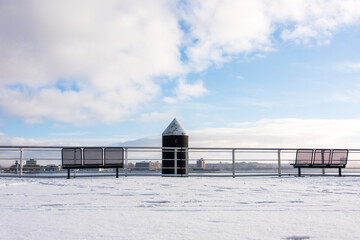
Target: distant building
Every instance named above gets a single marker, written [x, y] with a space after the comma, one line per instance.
[52, 168]
[31, 165]
[200, 163]
[130, 165]
[31, 162]
[147, 166]
[154, 166]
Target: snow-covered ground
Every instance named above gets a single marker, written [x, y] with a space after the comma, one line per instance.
[180, 208]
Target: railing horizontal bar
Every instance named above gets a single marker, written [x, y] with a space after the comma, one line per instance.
[189, 148]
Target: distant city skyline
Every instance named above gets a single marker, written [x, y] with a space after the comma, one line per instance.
[234, 73]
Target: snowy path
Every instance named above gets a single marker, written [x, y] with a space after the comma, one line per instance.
[180, 208]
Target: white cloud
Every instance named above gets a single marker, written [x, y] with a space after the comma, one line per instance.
[6, 140]
[70, 134]
[220, 30]
[266, 133]
[313, 20]
[351, 96]
[83, 62]
[255, 103]
[186, 91]
[112, 50]
[352, 65]
[292, 133]
[154, 116]
[64, 139]
[277, 133]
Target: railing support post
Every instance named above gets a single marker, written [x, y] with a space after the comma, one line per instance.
[126, 161]
[233, 163]
[21, 161]
[175, 161]
[323, 160]
[279, 163]
[187, 162]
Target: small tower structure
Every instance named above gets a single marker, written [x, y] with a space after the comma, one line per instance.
[175, 136]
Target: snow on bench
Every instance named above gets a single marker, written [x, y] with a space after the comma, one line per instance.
[92, 157]
[321, 158]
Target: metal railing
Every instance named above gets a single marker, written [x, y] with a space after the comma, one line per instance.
[140, 161]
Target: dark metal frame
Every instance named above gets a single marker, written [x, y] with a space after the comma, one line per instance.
[347, 155]
[114, 165]
[311, 160]
[322, 152]
[71, 165]
[93, 164]
[102, 165]
[329, 165]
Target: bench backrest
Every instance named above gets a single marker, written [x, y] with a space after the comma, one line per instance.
[304, 156]
[339, 157]
[114, 156]
[322, 156]
[92, 157]
[71, 157]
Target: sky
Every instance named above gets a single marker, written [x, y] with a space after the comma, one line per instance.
[249, 73]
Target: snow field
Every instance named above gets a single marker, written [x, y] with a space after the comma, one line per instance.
[180, 208]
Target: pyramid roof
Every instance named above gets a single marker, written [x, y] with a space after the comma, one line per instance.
[174, 128]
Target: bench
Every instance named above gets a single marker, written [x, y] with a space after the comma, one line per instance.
[321, 158]
[92, 157]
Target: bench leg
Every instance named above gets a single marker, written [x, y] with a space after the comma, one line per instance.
[68, 177]
[339, 172]
[117, 172]
[299, 172]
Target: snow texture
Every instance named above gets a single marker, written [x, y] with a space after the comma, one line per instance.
[175, 128]
[180, 208]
